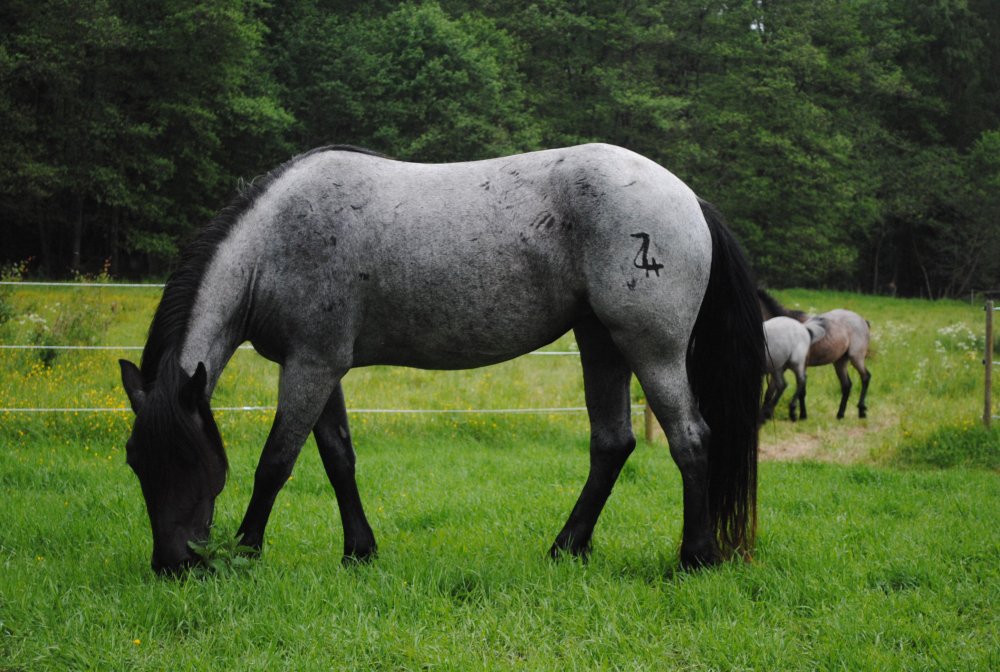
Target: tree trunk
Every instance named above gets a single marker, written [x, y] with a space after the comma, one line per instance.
[113, 236]
[74, 263]
[45, 263]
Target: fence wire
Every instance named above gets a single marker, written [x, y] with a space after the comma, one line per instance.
[359, 411]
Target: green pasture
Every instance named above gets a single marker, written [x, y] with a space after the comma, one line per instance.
[879, 542]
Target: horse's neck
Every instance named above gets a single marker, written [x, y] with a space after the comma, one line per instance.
[218, 320]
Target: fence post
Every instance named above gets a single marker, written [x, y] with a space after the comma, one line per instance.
[988, 367]
[650, 422]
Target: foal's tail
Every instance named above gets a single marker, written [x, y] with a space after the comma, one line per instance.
[725, 365]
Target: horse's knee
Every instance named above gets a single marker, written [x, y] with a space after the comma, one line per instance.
[609, 449]
[272, 472]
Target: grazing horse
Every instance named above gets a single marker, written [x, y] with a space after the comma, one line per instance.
[844, 339]
[788, 342]
[343, 258]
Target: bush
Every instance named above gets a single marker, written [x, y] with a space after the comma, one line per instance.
[80, 320]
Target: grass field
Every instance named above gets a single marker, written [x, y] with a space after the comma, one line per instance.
[879, 539]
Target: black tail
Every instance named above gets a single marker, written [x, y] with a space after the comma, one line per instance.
[726, 367]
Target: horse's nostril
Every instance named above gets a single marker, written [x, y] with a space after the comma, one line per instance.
[174, 565]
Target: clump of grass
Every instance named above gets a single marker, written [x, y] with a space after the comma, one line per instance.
[965, 445]
[222, 554]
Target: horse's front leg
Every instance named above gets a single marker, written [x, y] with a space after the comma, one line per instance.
[302, 394]
[334, 441]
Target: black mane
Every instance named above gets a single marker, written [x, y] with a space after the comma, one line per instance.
[170, 322]
[776, 309]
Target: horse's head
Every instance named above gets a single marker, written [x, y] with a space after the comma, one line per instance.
[176, 451]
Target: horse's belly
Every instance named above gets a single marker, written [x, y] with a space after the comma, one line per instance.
[462, 332]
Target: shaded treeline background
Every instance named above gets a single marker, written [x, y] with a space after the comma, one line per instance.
[852, 144]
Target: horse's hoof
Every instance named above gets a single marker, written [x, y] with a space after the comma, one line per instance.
[248, 549]
[695, 561]
[706, 555]
[359, 556]
[559, 551]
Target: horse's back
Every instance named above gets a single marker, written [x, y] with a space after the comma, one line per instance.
[847, 334]
[787, 342]
[456, 265]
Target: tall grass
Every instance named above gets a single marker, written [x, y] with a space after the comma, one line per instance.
[873, 553]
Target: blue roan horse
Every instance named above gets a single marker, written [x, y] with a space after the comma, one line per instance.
[343, 258]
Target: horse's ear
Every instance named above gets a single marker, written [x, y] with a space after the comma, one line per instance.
[193, 391]
[132, 382]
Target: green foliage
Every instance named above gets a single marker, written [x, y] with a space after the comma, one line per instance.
[850, 144]
[413, 82]
[221, 555]
[122, 109]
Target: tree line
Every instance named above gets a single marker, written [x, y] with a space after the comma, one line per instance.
[851, 143]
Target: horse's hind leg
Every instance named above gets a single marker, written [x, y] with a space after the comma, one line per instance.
[778, 381]
[866, 376]
[664, 379]
[606, 379]
[770, 398]
[334, 441]
[845, 384]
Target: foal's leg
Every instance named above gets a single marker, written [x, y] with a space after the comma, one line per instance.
[779, 389]
[302, 395]
[845, 384]
[334, 441]
[606, 379]
[770, 399]
[800, 394]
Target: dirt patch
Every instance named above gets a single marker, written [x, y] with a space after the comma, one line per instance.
[843, 442]
[846, 442]
[796, 448]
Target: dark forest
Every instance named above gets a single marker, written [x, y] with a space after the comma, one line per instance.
[852, 145]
